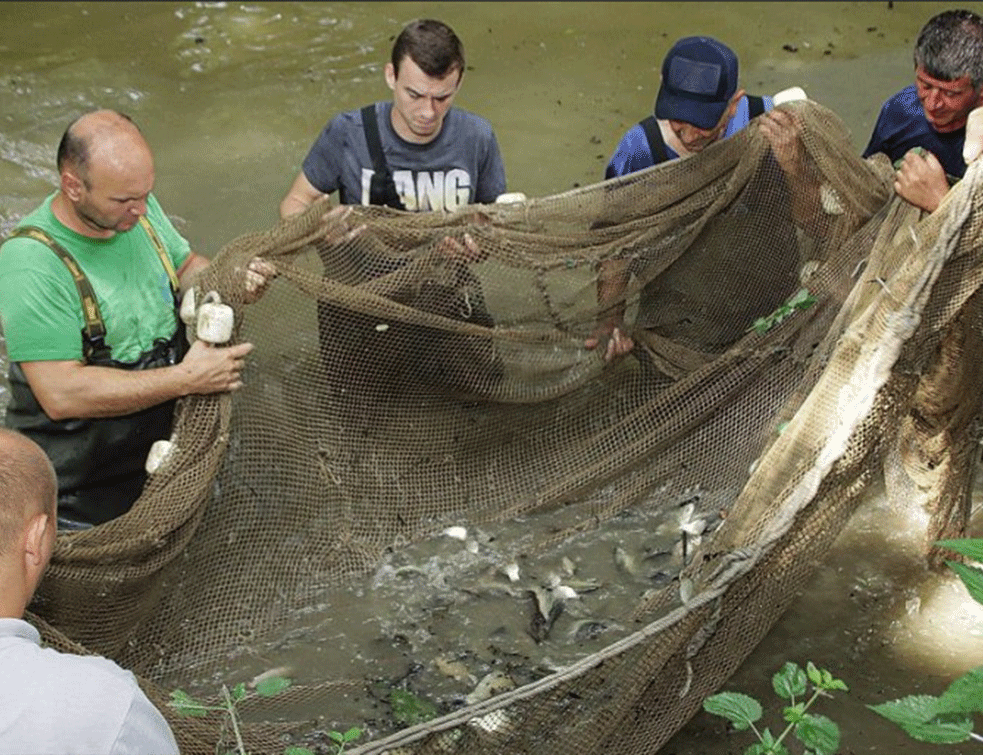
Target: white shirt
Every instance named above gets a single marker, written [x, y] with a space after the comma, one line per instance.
[54, 703]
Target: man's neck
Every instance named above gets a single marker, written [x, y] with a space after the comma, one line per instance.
[13, 600]
[65, 214]
[671, 140]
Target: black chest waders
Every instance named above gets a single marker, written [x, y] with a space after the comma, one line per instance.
[407, 352]
[99, 462]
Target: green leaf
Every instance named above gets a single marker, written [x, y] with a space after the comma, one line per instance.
[337, 736]
[740, 709]
[298, 751]
[238, 692]
[272, 685]
[352, 734]
[794, 713]
[802, 299]
[964, 695]
[971, 548]
[186, 705]
[818, 733]
[972, 577]
[814, 674]
[942, 730]
[911, 710]
[790, 682]
[828, 682]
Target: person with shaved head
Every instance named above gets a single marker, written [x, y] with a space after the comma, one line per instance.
[90, 285]
[54, 703]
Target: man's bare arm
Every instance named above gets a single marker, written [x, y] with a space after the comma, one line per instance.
[612, 282]
[190, 269]
[68, 389]
[302, 195]
[783, 131]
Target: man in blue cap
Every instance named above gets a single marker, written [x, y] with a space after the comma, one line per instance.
[699, 102]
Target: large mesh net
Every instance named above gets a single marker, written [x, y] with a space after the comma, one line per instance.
[648, 519]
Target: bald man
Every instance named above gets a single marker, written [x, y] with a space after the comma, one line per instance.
[54, 703]
[96, 403]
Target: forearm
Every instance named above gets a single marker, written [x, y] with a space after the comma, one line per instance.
[190, 270]
[612, 282]
[807, 205]
[301, 195]
[292, 205]
[90, 392]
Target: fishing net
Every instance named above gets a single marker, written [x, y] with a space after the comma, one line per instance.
[545, 552]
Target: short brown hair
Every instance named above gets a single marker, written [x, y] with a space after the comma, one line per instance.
[430, 44]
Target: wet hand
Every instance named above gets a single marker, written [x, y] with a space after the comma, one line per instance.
[782, 131]
[466, 252]
[259, 274]
[214, 369]
[920, 180]
[335, 225]
[616, 342]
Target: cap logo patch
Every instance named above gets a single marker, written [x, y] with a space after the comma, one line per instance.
[694, 76]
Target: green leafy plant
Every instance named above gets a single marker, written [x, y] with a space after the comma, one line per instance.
[339, 739]
[948, 718]
[817, 734]
[409, 709]
[802, 299]
[185, 705]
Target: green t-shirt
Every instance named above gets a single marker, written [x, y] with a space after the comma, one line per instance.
[40, 310]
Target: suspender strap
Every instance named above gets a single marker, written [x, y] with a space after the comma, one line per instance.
[382, 190]
[164, 259]
[755, 105]
[657, 145]
[94, 332]
[371, 127]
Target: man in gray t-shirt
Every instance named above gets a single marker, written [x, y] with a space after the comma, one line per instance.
[440, 157]
[417, 153]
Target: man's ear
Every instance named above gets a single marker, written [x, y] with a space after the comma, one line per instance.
[36, 548]
[71, 184]
[390, 72]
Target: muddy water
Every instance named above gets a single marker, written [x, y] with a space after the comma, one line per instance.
[230, 96]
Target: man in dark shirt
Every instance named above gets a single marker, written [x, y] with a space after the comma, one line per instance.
[922, 128]
[437, 157]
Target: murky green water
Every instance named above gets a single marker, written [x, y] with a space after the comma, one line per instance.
[231, 95]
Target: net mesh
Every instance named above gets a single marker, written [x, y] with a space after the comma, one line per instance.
[794, 332]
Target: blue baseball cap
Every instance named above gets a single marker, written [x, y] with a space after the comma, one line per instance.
[699, 76]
